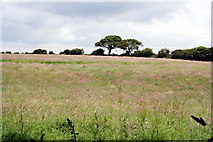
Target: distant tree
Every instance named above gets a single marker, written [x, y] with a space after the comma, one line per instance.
[26, 53]
[147, 52]
[129, 45]
[109, 42]
[40, 51]
[76, 51]
[2, 52]
[8, 52]
[99, 51]
[51, 52]
[163, 53]
[16, 53]
[67, 52]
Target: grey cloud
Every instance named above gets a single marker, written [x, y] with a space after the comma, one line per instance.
[135, 11]
[24, 21]
[82, 24]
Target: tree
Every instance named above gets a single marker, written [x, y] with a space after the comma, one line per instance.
[129, 45]
[40, 51]
[109, 42]
[147, 52]
[99, 51]
[163, 53]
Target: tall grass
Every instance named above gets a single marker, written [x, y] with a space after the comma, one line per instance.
[106, 100]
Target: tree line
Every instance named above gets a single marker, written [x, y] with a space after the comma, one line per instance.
[131, 48]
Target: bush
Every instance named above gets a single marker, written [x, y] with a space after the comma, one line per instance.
[124, 54]
[61, 53]
[8, 52]
[200, 53]
[113, 54]
[40, 51]
[163, 53]
[147, 52]
[76, 51]
[154, 55]
[203, 53]
[66, 52]
[177, 54]
[188, 54]
[51, 52]
[99, 51]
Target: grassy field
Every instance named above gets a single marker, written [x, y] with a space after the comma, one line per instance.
[106, 98]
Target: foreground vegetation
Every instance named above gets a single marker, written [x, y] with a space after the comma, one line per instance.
[105, 98]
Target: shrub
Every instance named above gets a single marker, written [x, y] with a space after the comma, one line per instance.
[203, 53]
[40, 51]
[154, 55]
[147, 52]
[76, 51]
[61, 53]
[113, 54]
[8, 52]
[99, 51]
[124, 54]
[163, 53]
[66, 52]
[177, 54]
[188, 54]
[51, 52]
[200, 53]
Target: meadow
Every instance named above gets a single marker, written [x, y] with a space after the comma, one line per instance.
[106, 98]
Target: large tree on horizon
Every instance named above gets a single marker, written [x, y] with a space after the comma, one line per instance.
[109, 42]
[129, 45]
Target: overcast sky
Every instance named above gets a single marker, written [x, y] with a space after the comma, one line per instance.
[56, 26]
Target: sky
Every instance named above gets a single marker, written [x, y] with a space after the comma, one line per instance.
[56, 26]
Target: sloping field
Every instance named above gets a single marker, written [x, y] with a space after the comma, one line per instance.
[106, 98]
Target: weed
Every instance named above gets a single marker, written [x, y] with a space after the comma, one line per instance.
[72, 130]
[49, 86]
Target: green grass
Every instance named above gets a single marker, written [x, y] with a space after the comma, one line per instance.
[76, 62]
[105, 99]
